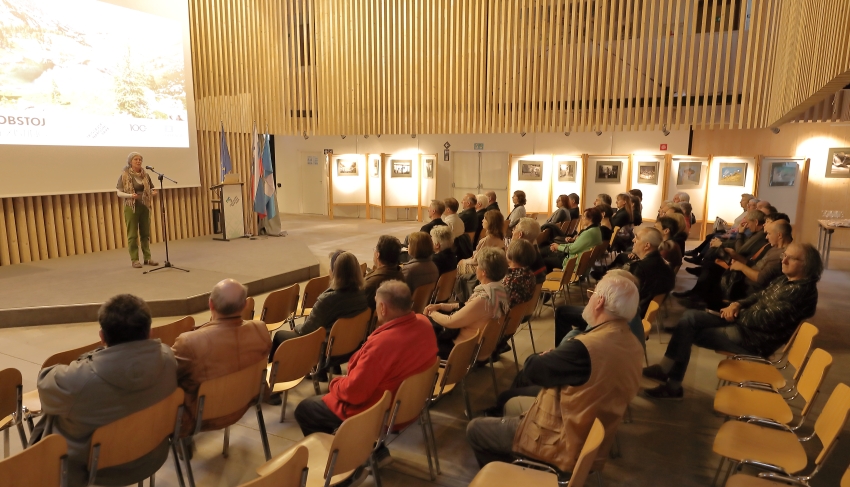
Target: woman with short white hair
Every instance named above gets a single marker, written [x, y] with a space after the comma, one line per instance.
[136, 189]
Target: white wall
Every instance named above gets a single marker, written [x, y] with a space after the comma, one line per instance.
[724, 201]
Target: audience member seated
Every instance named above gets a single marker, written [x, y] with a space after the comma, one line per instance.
[637, 206]
[775, 217]
[687, 211]
[224, 345]
[671, 253]
[756, 325]
[494, 223]
[401, 346]
[602, 198]
[721, 229]
[682, 197]
[575, 213]
[467, 216]
[560, 215]
[669, 229]
[491, 201]
[745, 278]
[764, 206]
[605, 226]
[344, 298]
[451, 218]
[480, 211]
[519, 281]
[420, 270]
[489, 300]
[528, 229]
[680, 236]
[594, 375]
[518, 210]
[435, 212]
[130, 373]
[444, 255]
[586, 240]
[623, 218]
[385, 266]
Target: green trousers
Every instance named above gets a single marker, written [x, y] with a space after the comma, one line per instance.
[138, 227]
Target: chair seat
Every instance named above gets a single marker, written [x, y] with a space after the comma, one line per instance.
[5, 422]
[551, 286]
[739, 441]
[738, 401]
[496, 474]
[741, 480]
[285, 386]
[449, 387]
[273, 326]
[738, 371]
[554, 276]
[32, 402]
[318, 445]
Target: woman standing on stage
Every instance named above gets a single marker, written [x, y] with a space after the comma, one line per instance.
[136, 189]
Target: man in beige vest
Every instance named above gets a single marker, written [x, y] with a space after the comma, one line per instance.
[594, 375]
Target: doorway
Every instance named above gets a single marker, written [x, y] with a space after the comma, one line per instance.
[314, 181]
[479, 172]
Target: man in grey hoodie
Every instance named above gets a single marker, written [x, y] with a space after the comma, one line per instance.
[131, 373]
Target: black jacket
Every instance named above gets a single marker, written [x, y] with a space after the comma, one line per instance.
[446, 260]
[655, 276]
[470, 223]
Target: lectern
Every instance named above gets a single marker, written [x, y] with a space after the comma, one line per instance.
[228, 197]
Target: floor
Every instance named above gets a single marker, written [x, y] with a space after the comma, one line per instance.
[667, 444]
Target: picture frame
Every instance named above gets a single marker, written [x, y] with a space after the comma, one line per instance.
[783, 174]
[689, 173]
[376, 167]
[609, 171]
[732, 174]
[838, 162]
[648, 172]
[566, 171]
[401, 168]
[529, 170]
[347, 167]
[428, 168]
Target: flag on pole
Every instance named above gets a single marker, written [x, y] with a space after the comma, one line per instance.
[268, 178]
[226, 164]
[258, 181]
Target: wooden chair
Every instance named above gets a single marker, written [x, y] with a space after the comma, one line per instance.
[411, 403]
[543, 237]
[335, 458]
[248, 310]
[526, 473]
[346, 336]
[757, 400]
[526, 320]
[610, 242]
[445, 287]
[454, 371]
[552, 287]
[312, 290]
[11, 406]
[489, 340]
[512, 323]
[363, 268]
[422, 296]
[290, 471]
[292, 361]
[745, 368]
[43, 464]
[134, 436]
[168, 334]
[772, 446]
[279, 307]
[230, 396]
[651, 316]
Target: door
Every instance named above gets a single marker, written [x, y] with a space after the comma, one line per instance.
[465, 169]
[479, 172]
[314, 181]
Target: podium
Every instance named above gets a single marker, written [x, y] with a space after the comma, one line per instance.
[228, 197]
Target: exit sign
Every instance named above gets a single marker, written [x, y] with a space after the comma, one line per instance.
[663, 146]
[479, 146]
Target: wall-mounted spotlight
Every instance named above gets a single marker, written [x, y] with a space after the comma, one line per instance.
[343, 137]
[598, 133]
[366, 136]
[775, 130]
[379, 136]
[664, 130]
[522, 134]
[567, 134]
[305, 135]
[412, 136]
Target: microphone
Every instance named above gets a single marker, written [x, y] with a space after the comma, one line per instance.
[149, 167]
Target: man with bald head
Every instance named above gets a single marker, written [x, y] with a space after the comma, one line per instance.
[491, 201]
[224, 345]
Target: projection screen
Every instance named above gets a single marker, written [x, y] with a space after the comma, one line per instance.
[85, 82]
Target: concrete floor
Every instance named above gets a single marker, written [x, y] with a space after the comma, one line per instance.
[667, 444]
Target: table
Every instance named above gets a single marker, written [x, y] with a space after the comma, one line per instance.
[825, 231]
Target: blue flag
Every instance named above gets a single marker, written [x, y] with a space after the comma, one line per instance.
[260, 199]
[268, 177]
[226, 165]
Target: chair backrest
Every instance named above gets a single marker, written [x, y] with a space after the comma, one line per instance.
[363, 268]
[230, 393]
[40, 464]
[584, 264]
[543, 236]
[613, 235]
[421, 296]
[136, 435]
[168, 334]
[651, 311]
[505, 225]
[355, 439]
[832, 420]
[573, 225]
[812, 377]
[295, 357]
[11, 385]
[460, 360]
[445, 286]
[347, 334]
[647, 327]
[533, 216]
[800, 348]
[489, 338]
[413, 394]
[568, 271]
[248, 310]
[291, 471]
[68, 356]
[312, 290]
[587, 454]
[598, 253]
[515, 316]
[280, 305]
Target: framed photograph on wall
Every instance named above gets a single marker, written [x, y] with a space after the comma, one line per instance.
[428, 168]
[530, 170]
[566, 171]
[346, 167]
[732, 174]
[838, 163]
[401, 168]
[689, 173]
[648, 172]
[783, 173]
[376, 167]
[608, 171]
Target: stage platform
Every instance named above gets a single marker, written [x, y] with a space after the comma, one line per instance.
[71, 289]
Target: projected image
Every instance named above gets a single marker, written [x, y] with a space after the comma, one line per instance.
[90, 73]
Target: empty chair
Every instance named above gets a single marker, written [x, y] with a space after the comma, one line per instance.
[167, 334]
[454, 371]
[445, 287]
[279, 307]
[334, 458]
[312, 290]
[512, 322]
[293, 360]
[422, 296]
[526, 320]
[43, 464]
[248, 310]
[489, 339]
[559, 281]
[346, 336]
[651, 316]
[11, 406]
[290, 471]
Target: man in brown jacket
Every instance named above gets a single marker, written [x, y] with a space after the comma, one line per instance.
[594, 375]
[224, 345]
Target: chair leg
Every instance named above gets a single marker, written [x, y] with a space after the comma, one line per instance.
[599, 478]
[615, 451]
[375, 472]
[177, 467]
[427, 439]
[316, 383]
[717, 473]
[189, 473]
[22, 434]
[433, 439]
[516, 359]
[531, 336]
[153, 480]
[263, 435]
[493, 373]
[6, 443]
[466, 398]
[225, 451]
[283, 407]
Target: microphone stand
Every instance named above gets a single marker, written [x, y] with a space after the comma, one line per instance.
[164, 222]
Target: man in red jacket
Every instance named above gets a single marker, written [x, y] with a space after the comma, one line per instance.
[403, 345]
